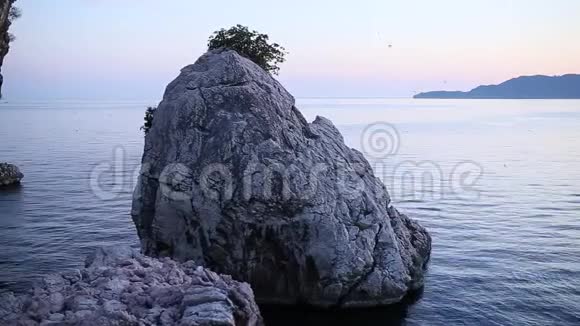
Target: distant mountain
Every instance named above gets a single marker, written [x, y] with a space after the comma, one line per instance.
[525, 87]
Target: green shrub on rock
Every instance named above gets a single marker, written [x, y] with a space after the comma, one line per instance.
[250, 44]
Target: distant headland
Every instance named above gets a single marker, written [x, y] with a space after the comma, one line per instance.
[524, 87]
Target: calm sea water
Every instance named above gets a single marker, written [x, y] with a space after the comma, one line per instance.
[496, 182]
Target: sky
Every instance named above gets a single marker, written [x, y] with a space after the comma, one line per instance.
[131, 49]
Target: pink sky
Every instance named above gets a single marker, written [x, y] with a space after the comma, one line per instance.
[132, 49]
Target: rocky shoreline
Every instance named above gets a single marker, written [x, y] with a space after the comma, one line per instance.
[9, 174]
[119, 286]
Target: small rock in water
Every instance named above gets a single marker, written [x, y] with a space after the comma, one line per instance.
[9, 174]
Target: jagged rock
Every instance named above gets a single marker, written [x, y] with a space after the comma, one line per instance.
[236, 179]
[119, 286]
[9, 174]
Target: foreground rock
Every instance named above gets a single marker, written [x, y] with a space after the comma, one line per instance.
[9, 174]
[123, 287]
[236, 179]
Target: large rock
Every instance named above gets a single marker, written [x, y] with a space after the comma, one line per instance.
[236, 179]
[9, 174]
[122, 287]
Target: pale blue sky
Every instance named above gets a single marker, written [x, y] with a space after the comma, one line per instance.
[130, 49]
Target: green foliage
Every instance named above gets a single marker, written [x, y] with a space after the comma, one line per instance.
[14, 13]
[148, 119]
[251, 45]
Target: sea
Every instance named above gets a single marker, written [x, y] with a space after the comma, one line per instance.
[495, 182]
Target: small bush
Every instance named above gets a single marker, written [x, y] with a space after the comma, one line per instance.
[14, 13]
[251, 45]
[149, 113]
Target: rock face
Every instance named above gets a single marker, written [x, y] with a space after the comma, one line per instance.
[9, 174]
[122, 287]
[236, 179]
